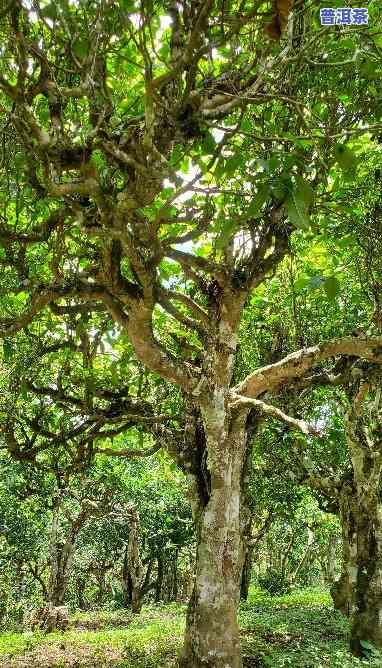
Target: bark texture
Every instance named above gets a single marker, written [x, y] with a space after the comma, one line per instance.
[212, 632]
[364, 437]
[367, 617]
[51, 618]
[61, 548]
[343, 591]
[135, 581]
[247, 571]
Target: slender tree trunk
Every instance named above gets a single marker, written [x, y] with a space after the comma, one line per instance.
[19, 579]
[305, 561]
[147, 584]
[81, 586]
[331, 560]
[212, 632]
[160, 576]
[132, 565]
[247, 570]
[101, 581]
[328, 562]
[171, 579]
[59, 561]
[174, 595]
[285, 556]
[61, 550]
[126, 580]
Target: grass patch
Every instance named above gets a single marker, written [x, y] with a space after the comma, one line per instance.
[298, 630]
[150, 640]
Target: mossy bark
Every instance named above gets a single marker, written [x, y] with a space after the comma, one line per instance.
[212, 632]
[358, 592]
[367, 616]
[365, 446]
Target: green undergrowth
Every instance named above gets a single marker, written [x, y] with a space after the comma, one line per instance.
[299, 630]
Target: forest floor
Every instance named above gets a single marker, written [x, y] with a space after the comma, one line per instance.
[298, 630]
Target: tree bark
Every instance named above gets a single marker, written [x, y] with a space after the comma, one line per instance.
[81, 586]
[328, 562]
[358, 592]
[343, 591]
[174, 593]
[61, 550]
[365, 447]
[132, 567]
[367, 616]
[247, 571]
[101, 582]
[126, 580]
[38, 577]
[160, 575]
[171, 579]
[60, 555]
[212, 632]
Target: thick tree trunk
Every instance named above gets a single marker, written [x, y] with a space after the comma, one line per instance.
[365, 447]
[367, 616]
[58, 587]
[212, 632]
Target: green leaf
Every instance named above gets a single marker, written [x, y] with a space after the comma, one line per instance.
[316, 282]
[332, 287]
[366, 644]
[164, 51]
[81, 48]
[345, 157]
[304, 191]
[49, 12]
[301, 283]
[24, 391]
[227, 229]
[128, 5]
[297, 213]
[232, 164]
[7, 350]
[208, 143]
[219, 168]
[298, 202]
[258, 201]
[280, 187]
